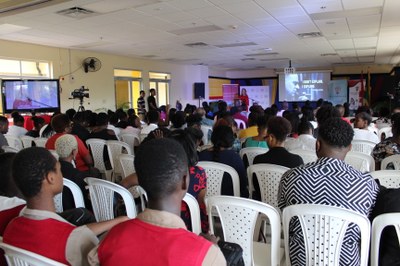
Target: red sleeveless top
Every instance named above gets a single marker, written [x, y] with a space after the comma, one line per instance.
[46, 237]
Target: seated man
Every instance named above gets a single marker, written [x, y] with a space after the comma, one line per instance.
[159, 228]
[38, 228]
[361, 125]
[329, 181]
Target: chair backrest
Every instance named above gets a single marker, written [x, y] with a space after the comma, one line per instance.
[21, 257]
[387, 178]
[308, 156]
[194, 210]
[76, 194]
[102, 197]
[323, 229]
[143, 136]
[385, 130]
[240, 123]
[268, 177]
[131, 140]
[115, 148]
[40, 142]
[378, 224]
[26, 141]
[14, 141]
[238, 219]
[394, 159]
[205, 130]
[360, 161]
[96, 147]
[9, 149]
[363, 146]
[251, 153]
[215, 172]
[127, 164]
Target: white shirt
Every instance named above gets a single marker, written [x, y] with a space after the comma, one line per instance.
[16, 131]
[147, 129]
[362, 134]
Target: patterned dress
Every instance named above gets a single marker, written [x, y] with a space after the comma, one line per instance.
[384, 149]
[331, 182]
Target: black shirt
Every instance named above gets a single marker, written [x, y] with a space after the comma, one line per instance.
[151, 101]
[279, 156]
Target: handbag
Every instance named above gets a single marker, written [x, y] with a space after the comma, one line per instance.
[233, 253]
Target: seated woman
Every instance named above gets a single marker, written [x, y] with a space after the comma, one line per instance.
[198, 178]
[222, 139]
[133, 126]
[259, 140]
[38, 123]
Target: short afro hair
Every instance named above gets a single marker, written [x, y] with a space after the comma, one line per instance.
[279, 127]
[325, 112]
[336, 132]
[60, 122]
[160, 166]
[37, 163]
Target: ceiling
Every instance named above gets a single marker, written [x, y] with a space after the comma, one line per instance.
[223, 34]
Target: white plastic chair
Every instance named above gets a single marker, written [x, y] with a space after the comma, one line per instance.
[360, 161]
[102, 197]
[240, 123]
[308, 156]
[239, 220]
[378, 224]
[363, 146]
[14, 142]
[387, 178]
[127, 164]
[323, 228]
[394, 159]
[76, 194]
[385, 130]
[9, 149]
[21, 257]
[26, 141]
[215, 172]
[269, 177]
[40, 142]
[205, 130]
[251, 153]
[115, 148]
[131, 140]
[143, 136]
[96, 147]
[194, 210]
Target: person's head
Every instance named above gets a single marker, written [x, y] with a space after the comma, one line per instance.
[66, 146]
[362, 120]
[122, 115]
[340, 108]
[222, 137]
[285, 105]
[325, 112]
[134, 121]
[194, 120]
[277, 130]
[130, 112]
[7, 185]
[61, 123]
[142, 93]
[70, 113]
[252, 120]
[178, 119]
[18, 120]
[3, 124]
[152, 92]
[38, 122]
[334, 138]
[305, 128]
[162, 170]
[222, 106]
[40, 173]
[262, 125]
[244, 92]
[188, 142]
[201, 112]
[153, 116]
[291, 84]
[102, 119]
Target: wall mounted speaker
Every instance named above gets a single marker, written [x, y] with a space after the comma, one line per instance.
[199, 90]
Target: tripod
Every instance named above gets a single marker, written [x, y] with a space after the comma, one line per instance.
[81, 108]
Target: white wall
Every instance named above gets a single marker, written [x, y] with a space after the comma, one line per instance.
[101, 83]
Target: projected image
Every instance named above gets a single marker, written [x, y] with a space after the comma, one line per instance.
[303, 86]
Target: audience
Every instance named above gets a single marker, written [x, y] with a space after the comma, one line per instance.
[260, 139]
[39, 181]
[17, 130]
[329, 181]
[361, 132]
[38, 123]
[3, 130]
[100, 131]
[152, 117]
[159, 226]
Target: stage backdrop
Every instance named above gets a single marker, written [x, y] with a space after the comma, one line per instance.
[258, 95]
[337, 91]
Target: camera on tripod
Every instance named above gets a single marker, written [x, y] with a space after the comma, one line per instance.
[80, 93]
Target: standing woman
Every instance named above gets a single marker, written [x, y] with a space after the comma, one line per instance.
[221, 152]
[244, 98]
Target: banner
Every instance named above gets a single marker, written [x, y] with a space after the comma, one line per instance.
[337, 91]
[356, 93]
[258, 95]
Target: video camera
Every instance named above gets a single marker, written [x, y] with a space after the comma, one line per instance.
[80, 93]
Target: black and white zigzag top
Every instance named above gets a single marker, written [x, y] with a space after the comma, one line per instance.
[331, 182]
